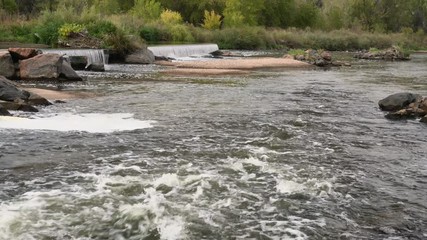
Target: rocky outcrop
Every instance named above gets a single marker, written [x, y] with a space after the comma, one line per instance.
[30, 64]
[404, 106]
[141, 56]
[319, 58]
[391, 54]
[47, 66]
[7, 67]
[13, 98]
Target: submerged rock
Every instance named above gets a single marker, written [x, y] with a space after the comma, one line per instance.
[398, 101]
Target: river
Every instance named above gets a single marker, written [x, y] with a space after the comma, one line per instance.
[277, 154]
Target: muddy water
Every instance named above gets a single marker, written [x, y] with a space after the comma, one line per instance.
[282, 154]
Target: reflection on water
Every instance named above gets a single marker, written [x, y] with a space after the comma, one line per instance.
[278, 155]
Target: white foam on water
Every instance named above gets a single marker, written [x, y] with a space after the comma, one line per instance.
[65, 122]
[284, 186]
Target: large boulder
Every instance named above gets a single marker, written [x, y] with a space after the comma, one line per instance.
[141, 56]
[7, 67]
[47, 66]
[9, 92]
[398, 101]
[22, 53]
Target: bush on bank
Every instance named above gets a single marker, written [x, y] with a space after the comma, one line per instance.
[125, 32]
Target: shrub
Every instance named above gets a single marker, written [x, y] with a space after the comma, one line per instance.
[65, 30]
[181, 33]
[155, 32]
[211, 21]
[171, 17]
[119, 43]
[101, 28]
[46, 31]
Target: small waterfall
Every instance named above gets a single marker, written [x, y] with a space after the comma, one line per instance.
[94, 56]
[177, 51]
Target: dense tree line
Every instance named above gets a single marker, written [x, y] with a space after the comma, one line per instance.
[370, 15]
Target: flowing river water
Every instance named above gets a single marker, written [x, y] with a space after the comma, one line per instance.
[277, 154]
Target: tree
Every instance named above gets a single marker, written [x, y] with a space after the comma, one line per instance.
[279, 13]
[9, 6]
[307, 15]
[242, 12]
[147, 9]
[365, 11]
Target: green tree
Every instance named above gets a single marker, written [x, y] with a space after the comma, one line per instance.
[279, 13]
[193, 11]
[242, 12]
[106, 7]
[147, 9]
[9, 6]
[366, 12]
[307, 14]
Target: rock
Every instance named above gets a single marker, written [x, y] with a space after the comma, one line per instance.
[7, 67]
[300, 57]
[423, 104]
[9, 91]
[18, 106]
[78, 62]
[96, 67]
[390, 54]
[67, 72]
[423, 120]
[35, 99]
[4, 112]
[326, 56]
[141, 56]
[401, 114]
[320, 62]
[398, 101]
[47, 66]
[22, 53]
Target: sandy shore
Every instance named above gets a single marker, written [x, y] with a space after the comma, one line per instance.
[239, 64]
[58, 95]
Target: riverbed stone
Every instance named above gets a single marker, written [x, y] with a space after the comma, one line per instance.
[18, 106]
[9, 91]
[141, 56]
[398, 101]
[7, 67]
[96, 67]
[47, 67]
[4, 112]
[22, 53]
[424, 119]
[78, 62]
